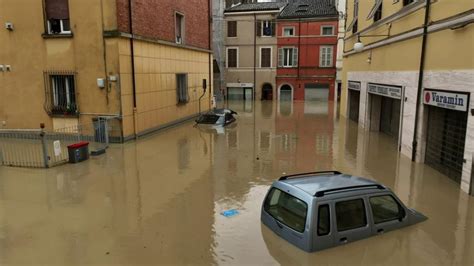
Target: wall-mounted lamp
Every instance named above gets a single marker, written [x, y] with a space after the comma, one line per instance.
[359, 46]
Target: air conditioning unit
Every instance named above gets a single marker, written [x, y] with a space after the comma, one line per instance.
[9, 26]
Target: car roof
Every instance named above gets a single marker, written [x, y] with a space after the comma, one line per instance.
[316, 184]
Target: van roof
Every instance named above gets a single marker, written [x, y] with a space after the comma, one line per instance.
[317, 184]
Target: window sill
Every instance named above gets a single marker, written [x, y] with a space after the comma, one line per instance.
[57, 36]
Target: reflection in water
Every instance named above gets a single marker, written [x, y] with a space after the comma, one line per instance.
[158, 200]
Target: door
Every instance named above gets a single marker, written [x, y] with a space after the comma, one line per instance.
[446, 136]
[316, 92]
[390, 116]
[286, 93]
[323, 233]
[354, 102]
[235, 93]
[351, 221]
[248, 94]
[387, 213]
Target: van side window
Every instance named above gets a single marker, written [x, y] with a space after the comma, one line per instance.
[350, 214]
[286, 209]
[385, 208]
[324, 226]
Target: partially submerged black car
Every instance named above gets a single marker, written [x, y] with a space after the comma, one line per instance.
[217, 117]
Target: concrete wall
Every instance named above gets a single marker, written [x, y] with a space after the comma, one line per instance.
[156, 66]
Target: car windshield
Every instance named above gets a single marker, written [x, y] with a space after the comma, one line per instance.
[286, 209]
[207, 119]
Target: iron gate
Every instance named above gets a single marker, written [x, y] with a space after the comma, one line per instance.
[445, 141]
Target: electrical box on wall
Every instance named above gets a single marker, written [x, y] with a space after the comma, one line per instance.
[101, 83]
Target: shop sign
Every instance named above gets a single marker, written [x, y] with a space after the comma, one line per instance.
[240, 85]
[353, 85]
[448, 100]
[384, 90]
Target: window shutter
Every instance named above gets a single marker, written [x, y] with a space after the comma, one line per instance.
[321, 56]
[259, 28]
[273, 28]
[295, 56]
[57, 9]
[280, 57]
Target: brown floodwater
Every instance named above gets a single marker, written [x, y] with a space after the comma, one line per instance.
[158, 200]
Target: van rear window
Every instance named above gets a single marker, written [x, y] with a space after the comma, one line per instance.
[287, 209]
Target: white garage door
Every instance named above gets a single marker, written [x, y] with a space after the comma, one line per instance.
[316, 92]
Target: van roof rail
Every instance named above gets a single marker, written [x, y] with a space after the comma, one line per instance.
[310, 173]
[341, 189]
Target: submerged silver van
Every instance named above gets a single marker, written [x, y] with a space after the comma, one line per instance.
[319, 210]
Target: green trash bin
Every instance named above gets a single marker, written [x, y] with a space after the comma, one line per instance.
[78, 152]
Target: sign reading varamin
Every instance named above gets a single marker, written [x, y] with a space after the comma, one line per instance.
[448, 100]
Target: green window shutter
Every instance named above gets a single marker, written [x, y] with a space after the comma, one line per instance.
[295, 56]
[273, 28]
[280, 57]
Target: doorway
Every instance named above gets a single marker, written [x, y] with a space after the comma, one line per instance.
[267, 92]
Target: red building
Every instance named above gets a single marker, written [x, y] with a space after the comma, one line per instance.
[307, 43]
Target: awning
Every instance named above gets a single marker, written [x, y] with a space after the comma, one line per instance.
[352, 24]
[374, 9]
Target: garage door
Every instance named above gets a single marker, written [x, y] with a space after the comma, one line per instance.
[316, 92]
[445, 141]
[354, 100]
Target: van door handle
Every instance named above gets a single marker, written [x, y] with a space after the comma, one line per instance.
[343, 240]
[279, 225]
[380, 231]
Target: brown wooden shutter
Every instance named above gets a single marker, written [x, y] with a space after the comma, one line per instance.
[273, 28]
[232, 29]
[266, 57]
[57, 9]
[232, 58]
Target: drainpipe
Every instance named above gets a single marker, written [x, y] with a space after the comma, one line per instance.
[254, 57]
[420, 79]
[211, 82]
[299, 46]
[132, 57]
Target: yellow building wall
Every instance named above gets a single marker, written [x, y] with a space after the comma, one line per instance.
[156, 66]
[447, 49]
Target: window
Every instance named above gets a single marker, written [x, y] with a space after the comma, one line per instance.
[354, 24]
[57, 17]
[266, 57]
[179, 28]
[327, 30]
[265, 28]
[324, 225]
[325, 56]
[385, 208]
[286, 209]
[231, 28]
[289, 31]
[182, 88]
[63, 93]
[350, 214]
[288, 57]
[407, 2]
[355, 27]
[232, 57]
[378, 13]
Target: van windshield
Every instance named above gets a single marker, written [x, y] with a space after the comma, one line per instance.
[287, 209]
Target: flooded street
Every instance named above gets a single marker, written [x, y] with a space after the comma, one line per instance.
[158, 200]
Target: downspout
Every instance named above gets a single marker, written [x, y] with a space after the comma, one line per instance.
[299, 46]
[420, 79]
[254, 57]
[107, 83]
[211, 82]
[132, 57]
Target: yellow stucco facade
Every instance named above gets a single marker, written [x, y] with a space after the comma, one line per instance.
[89, 53]
[390, 60]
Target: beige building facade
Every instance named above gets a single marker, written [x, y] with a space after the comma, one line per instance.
[68, 62]
[409, 72]
[251, 51]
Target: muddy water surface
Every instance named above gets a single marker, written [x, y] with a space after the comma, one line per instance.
[158, 200]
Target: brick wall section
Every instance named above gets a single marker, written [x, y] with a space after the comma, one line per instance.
[155, 19]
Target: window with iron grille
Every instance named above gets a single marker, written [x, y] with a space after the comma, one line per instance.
[60, 93]
[57, 17]
[179, 28]
[231, 28]
[266, 57]
[182, 88]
